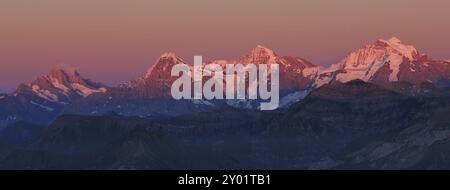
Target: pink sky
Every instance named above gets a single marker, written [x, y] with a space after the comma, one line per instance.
[114, 40]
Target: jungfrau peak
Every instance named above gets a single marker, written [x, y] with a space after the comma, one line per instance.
[70, 82]
[383, 62]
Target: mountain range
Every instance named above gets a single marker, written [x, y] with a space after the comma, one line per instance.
[384, 106]
[388, 63]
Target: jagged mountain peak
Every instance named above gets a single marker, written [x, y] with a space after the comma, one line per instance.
[164, 63]
[260, 47]
[383, 62]
[62, 85]
[64, 75]
[259, 55]
[168, 55]
[394, 39]
[65, 69]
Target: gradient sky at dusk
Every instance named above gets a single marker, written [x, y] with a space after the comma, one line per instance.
[117, 40]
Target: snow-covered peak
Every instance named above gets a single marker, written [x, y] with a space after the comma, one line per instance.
[365, 62]
[400, 48]
[382, 62]
[260, 50]
[62, 85]
[62, 77]
[169, 56]
[164, 63]
[2, 95]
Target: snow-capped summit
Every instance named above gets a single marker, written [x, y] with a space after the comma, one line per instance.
[405, 50]
[62, 85]
[259, 55]
[295, 72]
[296, 75]
[164, 64]
[383, 62]
[169, 54]
[44, 98]
[157, 80]
[261, 50]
